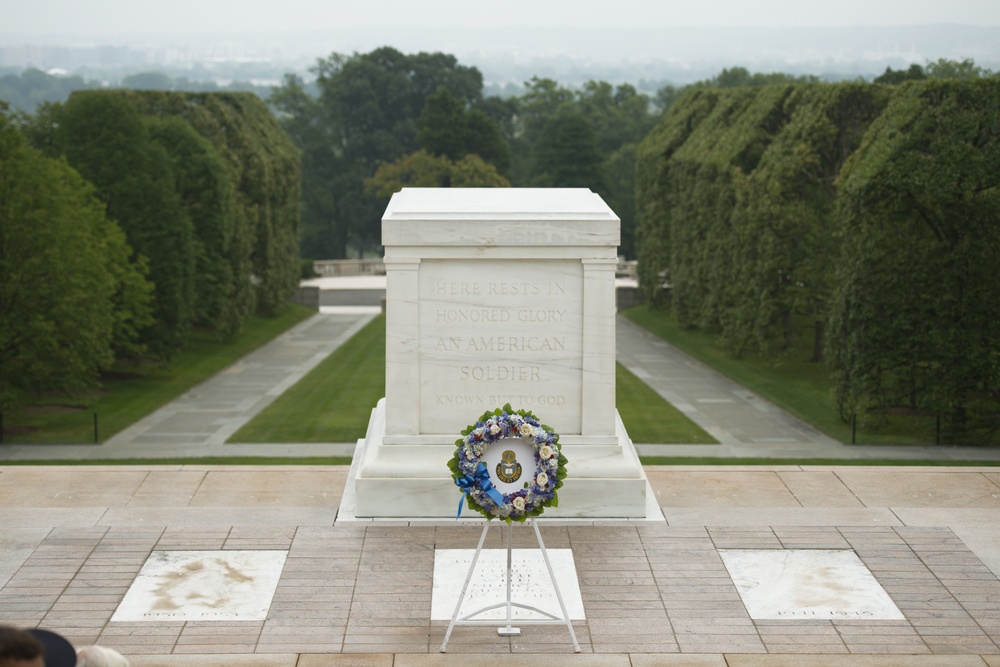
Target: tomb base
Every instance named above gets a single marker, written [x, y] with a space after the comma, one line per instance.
[402, 477]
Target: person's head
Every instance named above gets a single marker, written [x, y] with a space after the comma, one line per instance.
[19, 648]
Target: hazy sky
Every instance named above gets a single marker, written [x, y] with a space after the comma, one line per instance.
[135, 17]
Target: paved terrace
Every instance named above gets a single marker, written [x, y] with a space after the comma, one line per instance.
[73, 539]
[654, 593]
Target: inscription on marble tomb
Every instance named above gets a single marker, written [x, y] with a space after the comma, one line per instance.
[486, 339]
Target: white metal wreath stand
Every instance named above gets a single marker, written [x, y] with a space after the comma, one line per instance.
[469, 619]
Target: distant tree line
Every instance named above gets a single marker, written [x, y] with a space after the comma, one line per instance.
[30, 88]
[861, 217]
[130, 217]
[942, 68]
[378, 121]
[372, 123]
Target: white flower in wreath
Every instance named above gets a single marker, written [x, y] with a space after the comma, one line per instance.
[526, 430]
[518, 503]
[545, 452]
[541, 479]
[494, 429]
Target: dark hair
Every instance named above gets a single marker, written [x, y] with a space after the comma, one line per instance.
[19, 644]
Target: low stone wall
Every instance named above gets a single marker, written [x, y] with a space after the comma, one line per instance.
[306, 296]
[627, 296]
[326, 268]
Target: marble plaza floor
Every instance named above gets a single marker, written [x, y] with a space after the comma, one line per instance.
[200, 565]
[74, 541]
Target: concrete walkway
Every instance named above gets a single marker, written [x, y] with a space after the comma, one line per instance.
[198, 423]
[745, 424]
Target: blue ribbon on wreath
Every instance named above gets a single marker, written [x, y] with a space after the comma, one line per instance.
[480, 478]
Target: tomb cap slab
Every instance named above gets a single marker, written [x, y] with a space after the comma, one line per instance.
[499, 217]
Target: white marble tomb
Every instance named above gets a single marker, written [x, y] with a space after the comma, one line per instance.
[497, 296]
[798, 584]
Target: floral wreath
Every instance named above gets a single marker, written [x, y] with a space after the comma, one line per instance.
[471, 475]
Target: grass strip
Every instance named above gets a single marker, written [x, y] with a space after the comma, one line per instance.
[648, 418]
[333, 402]
[132, 391]
[202, 460]
[793, 382]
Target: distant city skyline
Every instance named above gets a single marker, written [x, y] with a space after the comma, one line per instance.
[129, 19]
[571, 41]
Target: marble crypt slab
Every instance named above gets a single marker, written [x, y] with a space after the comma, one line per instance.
[807, 584]
[531, 584]
[203, 586]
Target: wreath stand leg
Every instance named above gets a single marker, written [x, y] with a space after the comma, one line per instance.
[509, 630]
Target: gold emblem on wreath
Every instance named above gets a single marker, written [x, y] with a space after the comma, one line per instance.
[508, 470]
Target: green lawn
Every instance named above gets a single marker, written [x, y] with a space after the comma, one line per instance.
[650, 419]
[135, 390]
[797, 385]
[333, 402]
[198, 460]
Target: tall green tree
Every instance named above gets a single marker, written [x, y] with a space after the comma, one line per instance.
[107, 140]
[787, 216]
[945, 68]
[207, 201]
[32, 88]
[619, 178]
[620, 117]
[916, 320]
[540, 103]
[566, 155]
[312, 128]
[449, 129]
[256, 234]
[891, 77]
[372, 103]
[70, 295]
[424, 170]
[656, 192]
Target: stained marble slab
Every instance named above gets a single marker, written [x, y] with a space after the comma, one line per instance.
[531, 584]
[203, 586]
[796, 584]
